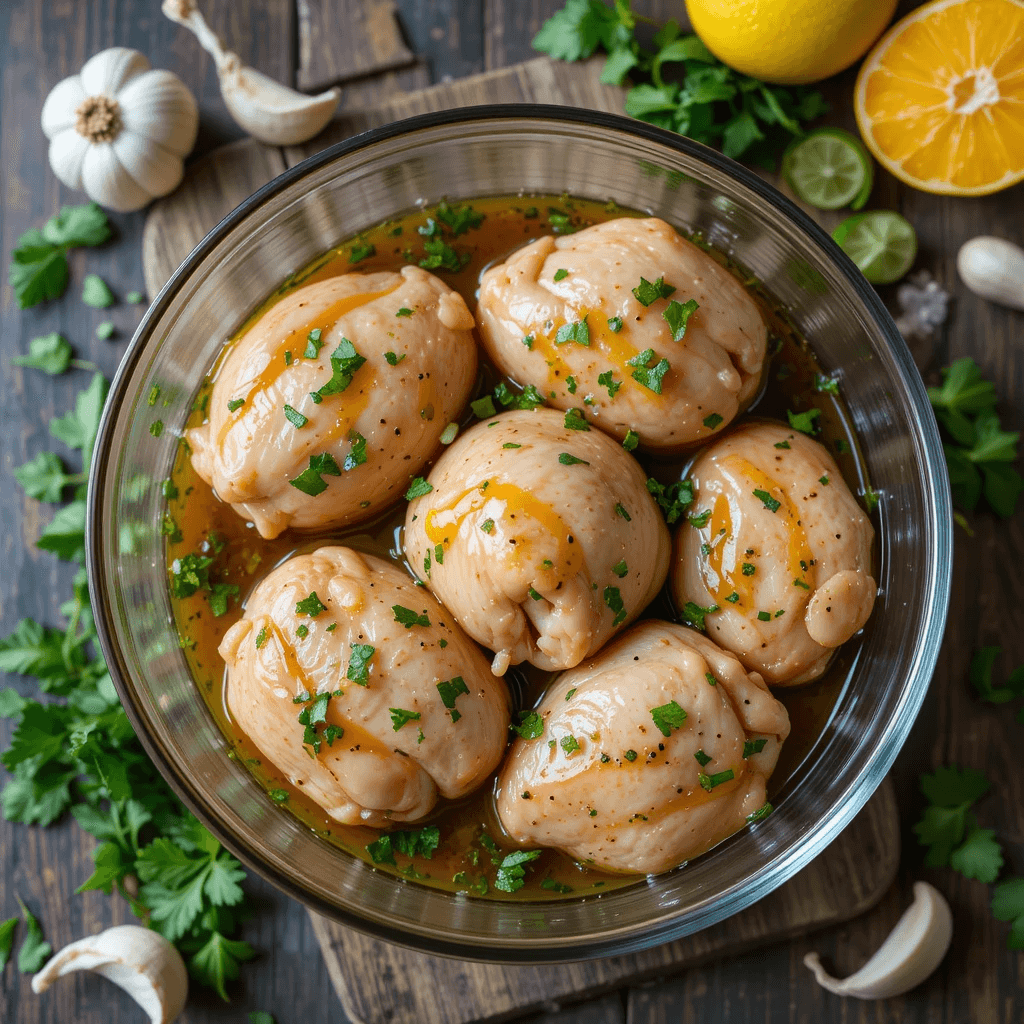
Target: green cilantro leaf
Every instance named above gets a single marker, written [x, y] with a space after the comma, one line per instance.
[620, 568]
[345, 361]
[449, 690]
[673, 499]
[577, 331]
[1008, 905]
[220, 596]
[311, 606]
[44, 478]
[677, 316]
[7, 940]
[805, 422]
[649, 377]
[576, 31]
[77, 226]
[569, 744]
[408, 618]
[979, 856]
[359, 663]
[96, 292]
[51, 353]
[512, 870]
[78, 429]
[607, 380]
[392, 359]
[418, 488]
[530, 726]
[668, 717]
[770, 503]
[951, 792]
[712, 421]
[34, 949]
[647, 292]
[981, 678]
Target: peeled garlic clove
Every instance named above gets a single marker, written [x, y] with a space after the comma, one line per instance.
[140, 961]
[994, 269]
[267, 110]
[914, 948]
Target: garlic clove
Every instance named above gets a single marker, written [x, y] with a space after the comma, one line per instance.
[59, 109]
[158, 106]
[67, 155]
[106, 73]
[267, 110]
[994, 269]
[140, 961]
[148, 162]
[106, 182]
[272, 112]
[912, 951]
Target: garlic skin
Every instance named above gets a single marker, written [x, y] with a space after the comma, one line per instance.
[912, 951]
[138, 960]
[994, 269]
[267, 110]
[120, 130]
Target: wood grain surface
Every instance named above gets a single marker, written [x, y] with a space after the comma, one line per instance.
[41, 41]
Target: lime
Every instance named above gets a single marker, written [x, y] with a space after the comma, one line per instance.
[881, 243]
[829, 169]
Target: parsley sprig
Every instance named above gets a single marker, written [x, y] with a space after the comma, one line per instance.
[75, 750]
[703, 98]
[979, 453]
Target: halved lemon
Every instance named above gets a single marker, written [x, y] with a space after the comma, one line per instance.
[940, 99]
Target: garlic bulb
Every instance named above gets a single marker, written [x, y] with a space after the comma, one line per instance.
[267, 110]
[140, 961]
[120, 130]
[913, 949]
[994, 269]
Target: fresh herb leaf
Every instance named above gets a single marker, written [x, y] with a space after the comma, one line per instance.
[647, 292]
[51, 353]
[668, 717]
[96, 292]
[620, 568]
[220, 596]
[607, 380]
[235, 404]
[569, 744]
[530, 726]
[577, 331]
[345, 361]
[34, 949]
[979, 856]
[393, 360]
[565, 459]
[615, 324]
[981, 678]
[296, 419]
[400, 717]
[712, 421]
[805, 422]
[418, 488]
[408, 618]
[361, 252]
[826, 385]
[631, 440]
[449, 690]
[7, 940]
[458, 219]
[310, 481]
[1008, 905]
[770, 503]
[694, 614]
[709, 782]
[512, 870]
[441, 254]
[649, 377]
[751, 747]
[311, 606]
[677, 316]
[561, 275]
[575, 420]
[357, 453]
[950, 792]
[673, 499]
[613, 599]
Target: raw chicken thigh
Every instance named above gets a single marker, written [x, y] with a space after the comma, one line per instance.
[647, 755]
[325, 409]
[362, 690]
[778, 547]
[541, 539]
[656, 335]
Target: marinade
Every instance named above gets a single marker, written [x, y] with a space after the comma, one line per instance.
[471, 841]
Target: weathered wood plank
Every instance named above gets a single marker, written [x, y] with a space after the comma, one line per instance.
[344, 39]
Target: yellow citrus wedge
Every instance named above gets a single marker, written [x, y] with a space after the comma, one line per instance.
[940, 99]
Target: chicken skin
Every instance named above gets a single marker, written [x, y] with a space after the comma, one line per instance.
[331, 402]
[645, 756]
[361, 689]
[777, 546]
[649, 329]
[540, 538]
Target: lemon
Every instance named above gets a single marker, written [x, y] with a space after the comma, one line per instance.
[790, 42]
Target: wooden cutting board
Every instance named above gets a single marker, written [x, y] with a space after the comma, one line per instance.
[379, 983]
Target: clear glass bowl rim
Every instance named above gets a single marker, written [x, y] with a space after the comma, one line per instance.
[871, 775]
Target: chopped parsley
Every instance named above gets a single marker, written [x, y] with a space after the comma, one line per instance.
[571, 384]
[345, 361]
[700, 520]
[649, 377]
[420, 842]
[613, 599]
[570, 460]
[358, 670]
[823, 480]
[668, 717]
[630, 755]
[418, 488]
[261, 637]
[528, 340]
[871, 498]
[441, 254]
[694, 614]
[615, 324]
[296, 419]
[483, 407]
[770, 503]
[607, 380]
[733, 597]
[620, 510]
[575, 420]
[279, 796]
[404, 311]
[512, 870]
[712, 421]
[190, 573]
[487, 526]
[702, 758]
[677, 316]
[361, 252]
[577, 331]
[449, 690]
[511, 444]
[764, 616]
[530, 726]
[804, 421]
[753, 746]
[569, 693]
[631, 440]
[620, 569]
[408, 618]
[708, 782]
[220, 596]
[561, 275]
[393, 360]
[235, 404]
[458, 219]
[801, 583]
[357, 454]
[747, 569]
[535, 594]
[156, 428]
[302, 632]
[647, 292]
[712, 681]
[529, 399]
[826, 384]
[782, 444]
[673, 500]
[313, 344]
[569, 744]
[559, 887]
[400, 717]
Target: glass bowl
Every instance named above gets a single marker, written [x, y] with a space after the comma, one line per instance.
[466, 154]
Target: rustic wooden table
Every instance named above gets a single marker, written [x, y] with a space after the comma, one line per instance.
[41, 41]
